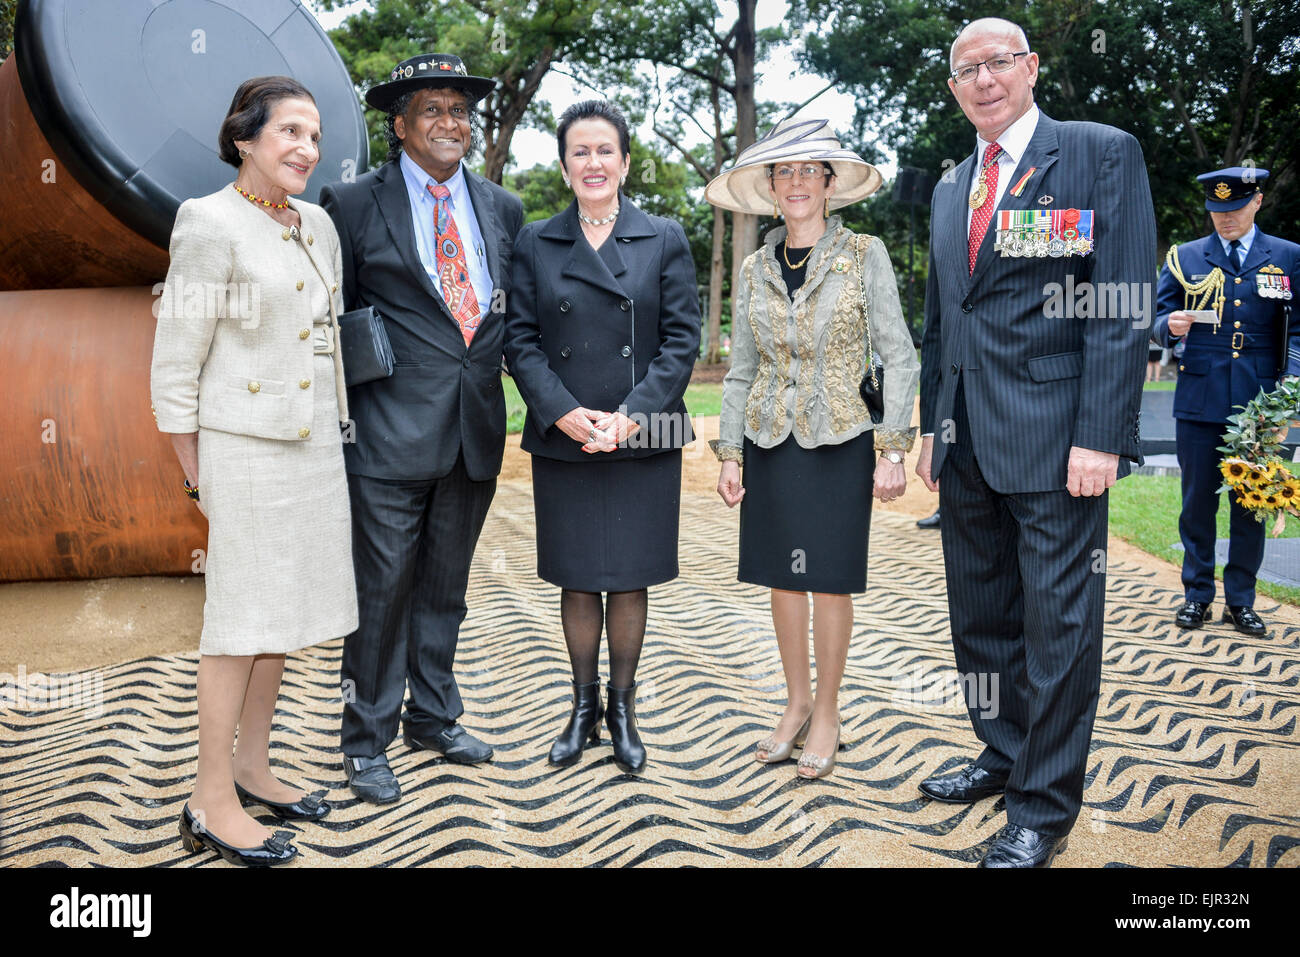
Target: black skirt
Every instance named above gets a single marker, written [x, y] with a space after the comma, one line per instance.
[607, 525]
[806, 514]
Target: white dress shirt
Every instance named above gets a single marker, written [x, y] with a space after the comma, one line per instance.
[1014, 141]
[1246, 240]
[462, 212]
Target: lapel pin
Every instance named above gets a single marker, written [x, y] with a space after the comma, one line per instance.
[1045, 200]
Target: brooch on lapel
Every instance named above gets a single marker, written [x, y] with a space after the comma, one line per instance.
[841, 264]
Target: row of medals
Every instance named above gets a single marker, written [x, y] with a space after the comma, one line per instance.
[1029, 243]
[1012, 242]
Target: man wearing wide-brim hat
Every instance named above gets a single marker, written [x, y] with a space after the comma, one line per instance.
[427, 243]
[1247, 281]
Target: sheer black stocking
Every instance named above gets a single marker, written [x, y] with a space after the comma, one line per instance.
[582, 614]
[625, 619]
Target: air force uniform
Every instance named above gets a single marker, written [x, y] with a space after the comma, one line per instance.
[1222, 369]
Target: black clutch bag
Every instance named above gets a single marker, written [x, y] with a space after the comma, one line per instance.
[872, 386]
[367, 354]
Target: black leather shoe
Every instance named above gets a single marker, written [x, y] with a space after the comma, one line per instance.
[276, 849]
[931, 522]
[960, 787]
[372, 780]
[454, 743]
[1193, 614]
[620, 718]
[309, 807]
[1018, 846]
[584, 723]
[1244, 619]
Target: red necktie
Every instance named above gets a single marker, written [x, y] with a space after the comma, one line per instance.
[452, 271]
[980, 219]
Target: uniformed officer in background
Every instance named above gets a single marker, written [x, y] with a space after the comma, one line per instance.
[1249, 278]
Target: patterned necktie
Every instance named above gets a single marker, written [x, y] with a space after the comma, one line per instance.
[453, 274]
[980, 219]
[1235, 254]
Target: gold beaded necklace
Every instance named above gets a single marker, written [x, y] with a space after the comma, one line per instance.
[257, 199]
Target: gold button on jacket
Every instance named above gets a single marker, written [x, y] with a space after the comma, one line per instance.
[304, 432]
[299, 285]
[254, 387]
[305, 383]
[304, 333]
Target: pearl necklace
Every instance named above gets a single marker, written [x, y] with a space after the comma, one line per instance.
[599, 222]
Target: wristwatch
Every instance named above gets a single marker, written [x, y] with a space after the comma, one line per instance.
[894, 456]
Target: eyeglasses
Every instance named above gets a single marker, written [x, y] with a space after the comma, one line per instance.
[996, 64]
[805, 172]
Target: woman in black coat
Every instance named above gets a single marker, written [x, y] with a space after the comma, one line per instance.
[603, 329]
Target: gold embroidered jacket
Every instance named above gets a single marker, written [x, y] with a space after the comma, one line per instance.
[796, 365]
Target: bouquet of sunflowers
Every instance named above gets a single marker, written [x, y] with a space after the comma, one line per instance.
[1253, 467]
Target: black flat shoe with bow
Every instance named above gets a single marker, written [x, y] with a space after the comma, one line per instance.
[276, 849]
[309, 807]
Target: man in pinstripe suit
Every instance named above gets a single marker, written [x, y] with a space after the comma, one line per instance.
[1037, 308]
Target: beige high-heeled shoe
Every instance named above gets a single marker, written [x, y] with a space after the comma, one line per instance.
[819, 765]
[778, 751]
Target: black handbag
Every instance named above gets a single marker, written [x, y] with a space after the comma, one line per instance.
[872, 386]
[367, 354]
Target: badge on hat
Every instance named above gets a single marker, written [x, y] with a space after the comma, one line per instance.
[1231, 188]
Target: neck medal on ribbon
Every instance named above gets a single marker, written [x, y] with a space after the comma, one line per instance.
[1044, 232]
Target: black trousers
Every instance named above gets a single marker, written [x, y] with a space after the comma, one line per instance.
[1026, 578]
[412, 543]
[1198, 465]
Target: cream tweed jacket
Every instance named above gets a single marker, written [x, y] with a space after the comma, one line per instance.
[233, 345]
[796, 365]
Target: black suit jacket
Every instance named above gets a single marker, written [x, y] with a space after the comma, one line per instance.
[1038, 375]
[442, 398]
[607, 329]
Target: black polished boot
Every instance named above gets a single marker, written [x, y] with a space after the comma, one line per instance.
[584, 723]
[620, 718]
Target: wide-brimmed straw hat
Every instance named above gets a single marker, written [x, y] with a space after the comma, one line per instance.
[743, 188]
[428, 69]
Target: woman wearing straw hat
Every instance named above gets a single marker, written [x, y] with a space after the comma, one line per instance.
[811, 305]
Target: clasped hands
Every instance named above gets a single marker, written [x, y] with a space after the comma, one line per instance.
[597, 431]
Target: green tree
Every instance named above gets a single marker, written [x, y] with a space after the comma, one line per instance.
[514, 41]
[1201, 85]
[8, 11]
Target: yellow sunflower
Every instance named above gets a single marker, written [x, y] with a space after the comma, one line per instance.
[1234, 471]
[1253, 499]
[1289, 492]
[1255, 475]
[1272, 501]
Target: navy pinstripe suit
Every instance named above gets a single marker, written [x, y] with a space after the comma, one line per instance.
[1007, 387]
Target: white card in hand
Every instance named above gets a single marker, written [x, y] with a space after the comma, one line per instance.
[1203, 315]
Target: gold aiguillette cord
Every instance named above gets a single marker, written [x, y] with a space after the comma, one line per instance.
[1209, 290]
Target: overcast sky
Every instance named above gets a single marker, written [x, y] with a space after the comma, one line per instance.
[780, 80]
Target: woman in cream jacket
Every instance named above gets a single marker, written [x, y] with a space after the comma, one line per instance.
[247, 377]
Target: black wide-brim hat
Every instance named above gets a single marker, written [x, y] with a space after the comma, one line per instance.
[428, 69]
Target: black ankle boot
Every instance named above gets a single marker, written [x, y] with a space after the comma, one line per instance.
[584, 722]
[620, 718]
